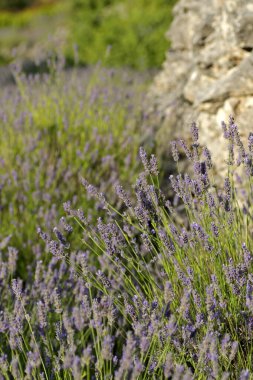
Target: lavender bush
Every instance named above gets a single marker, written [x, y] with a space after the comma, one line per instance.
[148, 291]
[55, 127]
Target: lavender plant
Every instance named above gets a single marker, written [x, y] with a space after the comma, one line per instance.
[144, 294]
[54, 127]
[140, 288]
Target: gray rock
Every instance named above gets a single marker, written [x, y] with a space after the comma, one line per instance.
[207, 75]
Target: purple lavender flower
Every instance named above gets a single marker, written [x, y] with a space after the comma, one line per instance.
[175, 153]
[215, 229]
[123, 195]
[61, 238]
[67, 227]
[194, 132]
[244, 375]
[250, 142]
[208, 157]
[247, 255]
[41, 311]
[144, 159]
[249, 295]
[153, 165]
[225, 130]
[227, 188]
[107, 348]
[93, 191]
[186, 149]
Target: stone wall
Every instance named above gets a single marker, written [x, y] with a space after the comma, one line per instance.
[207, 75]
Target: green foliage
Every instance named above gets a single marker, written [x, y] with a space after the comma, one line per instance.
[15, 4]
[121, 33]
[26, 30]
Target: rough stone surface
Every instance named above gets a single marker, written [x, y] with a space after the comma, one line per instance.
[207, 75]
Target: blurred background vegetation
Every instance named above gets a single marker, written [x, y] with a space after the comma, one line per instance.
[115, 32]
[64, 123]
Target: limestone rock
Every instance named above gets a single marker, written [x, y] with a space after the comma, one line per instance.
[207, 75]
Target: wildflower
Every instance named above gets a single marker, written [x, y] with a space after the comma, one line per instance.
[41, 311]
[137, 369]
[106, 283]
[153, 165]
[93, 191]
[123, 196]
[15, 367]
[225, 130]
[12, 259]
[233, 352]
[126, 359]
[107, 348]
[144, 159]
[208, 157]
[186, 149]
[247, 255]
[244, 375]
[42, 234]
[61, 238]
[249, 295]
[194, 132]
[4, 362]
[250, 142]
[175, 153]
[215, 229]
[76, 367]
[56, 301]
[227, 188]
[65, 225]
[87, 355]
[225, 345]
[17, 287]
[168, 366]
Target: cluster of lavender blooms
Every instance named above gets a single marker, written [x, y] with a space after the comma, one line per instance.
[54, 127]
[146, 292]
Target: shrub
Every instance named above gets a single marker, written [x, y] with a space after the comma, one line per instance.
[124, 33]
[15, 4]
[121, 33]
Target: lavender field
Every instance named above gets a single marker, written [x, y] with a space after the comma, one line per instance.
[103, 274]
[125, 254]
